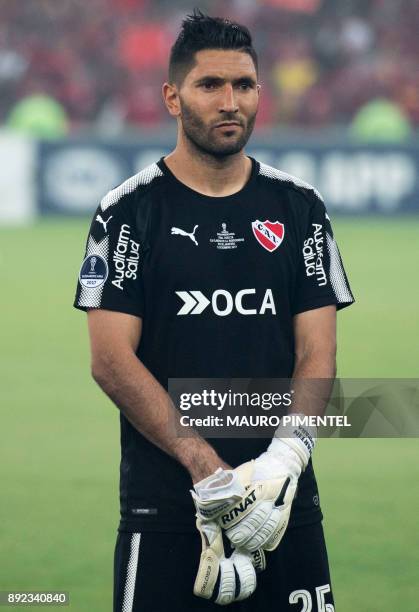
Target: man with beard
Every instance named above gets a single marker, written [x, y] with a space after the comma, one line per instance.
[211, 264]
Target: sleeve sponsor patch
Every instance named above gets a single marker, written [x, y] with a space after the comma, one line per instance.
[313, 252]
[125, 257]
[94, 271]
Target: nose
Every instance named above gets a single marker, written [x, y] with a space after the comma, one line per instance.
[228, 102]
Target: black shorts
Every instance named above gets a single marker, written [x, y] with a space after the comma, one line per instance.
[155, 572]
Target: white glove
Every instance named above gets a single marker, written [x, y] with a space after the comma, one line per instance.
[222, 579]
[253, 502]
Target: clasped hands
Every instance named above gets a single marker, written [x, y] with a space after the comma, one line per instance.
[251, 505]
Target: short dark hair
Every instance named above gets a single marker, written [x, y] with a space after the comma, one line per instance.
[201, 32]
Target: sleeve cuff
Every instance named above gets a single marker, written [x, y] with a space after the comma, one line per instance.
[320, 302]
[131, 309]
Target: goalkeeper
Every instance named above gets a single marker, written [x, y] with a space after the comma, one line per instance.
[208, 263]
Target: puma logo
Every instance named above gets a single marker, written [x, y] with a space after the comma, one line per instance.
[181, 232]
[104, 223]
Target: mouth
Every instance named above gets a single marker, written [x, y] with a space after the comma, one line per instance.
[228, 124]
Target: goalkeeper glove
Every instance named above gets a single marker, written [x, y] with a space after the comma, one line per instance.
[222, 579]
[253, 502]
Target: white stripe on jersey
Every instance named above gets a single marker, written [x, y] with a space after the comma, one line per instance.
[131, 573]
[273, 173]
[337, 275]
[142, 178]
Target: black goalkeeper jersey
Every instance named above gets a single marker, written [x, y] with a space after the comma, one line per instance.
[216, 281]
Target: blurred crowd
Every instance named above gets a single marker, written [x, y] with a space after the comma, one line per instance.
[103, 61]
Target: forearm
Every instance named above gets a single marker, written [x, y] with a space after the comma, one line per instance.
[312, 382]
[147, 405]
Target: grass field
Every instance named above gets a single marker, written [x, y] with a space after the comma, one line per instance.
[60, 438]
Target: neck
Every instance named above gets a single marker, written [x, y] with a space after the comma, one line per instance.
[209, 175]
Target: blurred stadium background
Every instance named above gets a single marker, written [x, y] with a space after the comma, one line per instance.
[80, 110]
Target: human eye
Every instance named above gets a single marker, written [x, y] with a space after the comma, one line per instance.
[209, 84]
[245, 85]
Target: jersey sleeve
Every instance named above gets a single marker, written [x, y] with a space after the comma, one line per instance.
[110, 275]
[321, 277]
